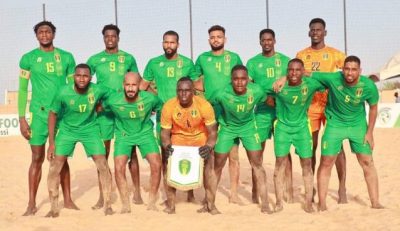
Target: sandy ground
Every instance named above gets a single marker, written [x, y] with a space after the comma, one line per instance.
[356, 215]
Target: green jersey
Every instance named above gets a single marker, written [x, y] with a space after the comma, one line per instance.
[110, 69]
[346, 104]
[264, 71]
[292, 102]
[133, 119]
[48, 71]
[78, 110]
[238, 110]
[216, 70]
[166, 73]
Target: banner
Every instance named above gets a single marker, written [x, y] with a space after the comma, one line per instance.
[185, 168]
[388, 115]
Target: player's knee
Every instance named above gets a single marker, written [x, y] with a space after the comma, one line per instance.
[37, 159]
[367, 164]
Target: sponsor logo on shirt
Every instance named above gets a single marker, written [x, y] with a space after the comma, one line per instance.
[103, 59]
[161, 64]
[71, 102]
[39, 60]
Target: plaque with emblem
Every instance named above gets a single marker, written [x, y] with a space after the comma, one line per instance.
[185, 168]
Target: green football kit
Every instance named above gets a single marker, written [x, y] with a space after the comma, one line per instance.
[237, 119]
[264, 71]
[77, 114]
[133, 123]
[110, 70]
[345, 112]
[48, 71]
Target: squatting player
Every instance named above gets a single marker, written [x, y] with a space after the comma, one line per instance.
[75, 107]
[237, 121]
[48, 68]
[346, 119]
[189, 120]
[132, 110]
[264, 69]
[215, 66]
[165, 70]
[110, 67]
[321, 58]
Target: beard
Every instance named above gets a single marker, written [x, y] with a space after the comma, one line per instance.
[217, 48]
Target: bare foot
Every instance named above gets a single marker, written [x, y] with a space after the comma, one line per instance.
[322, 207]
[265, 209]
[70, 205]
[152, 207]
[164, 203]
[377, 206]
[234, 199]
[342, 197]
[98, 205]
[278, 207]
[30, 211]
[308, 208]
[137, 199]
[108, 211]
[169, 210]
[52, 214]
[212, 211]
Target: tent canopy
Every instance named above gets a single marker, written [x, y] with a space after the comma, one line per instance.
[391, 69]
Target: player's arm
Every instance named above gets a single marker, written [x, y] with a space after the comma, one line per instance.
[166, 126]
[199, 84]
[22, 101]
[369, 136]
[70, 70]
[51, 127]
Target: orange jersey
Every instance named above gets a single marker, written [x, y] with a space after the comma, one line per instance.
[327, 59]
[188, 125]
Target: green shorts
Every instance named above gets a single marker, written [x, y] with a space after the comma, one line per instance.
[39, 128]
[264, 123]
[145, 141]
[333, 137]
[300, 137]
[106, 124]
[91, 141]
[227, 136]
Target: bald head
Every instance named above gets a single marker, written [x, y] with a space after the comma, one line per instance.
[131, 85]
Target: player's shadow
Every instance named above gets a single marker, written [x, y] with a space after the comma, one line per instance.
[350, 197]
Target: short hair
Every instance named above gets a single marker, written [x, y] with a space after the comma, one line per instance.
[111, 27]
[267, 31]
[317, 20]
[296, 60]
[239, 67]
[83, 65]
[215, 28]
[184, 79]
[44, 23]
[171, 32]
[352, 58]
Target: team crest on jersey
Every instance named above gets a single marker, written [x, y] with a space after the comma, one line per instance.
[161, 64]
[140, 106]
[103, 59]
[39, 60]
[304, 90]
[57, 57]
[250, 99]
[227, 58]
[71, 102]
[179, 63]
[278, 62]
[194, 113]
[121, 59]
[91, 98]
[359, 92]
[325, 56]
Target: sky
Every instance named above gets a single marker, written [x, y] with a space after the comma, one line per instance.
[372, 28]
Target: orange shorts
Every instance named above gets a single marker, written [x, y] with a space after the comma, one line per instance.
[316, 118]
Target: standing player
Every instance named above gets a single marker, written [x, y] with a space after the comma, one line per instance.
[292, 127]
[264, 69]
[346, 119]
[189, 120]
[166, 70]
[75, 106]
[215, 66]
[132, 109]
[237, 121]
[48, 68]
[110, 67]
[321, 58]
